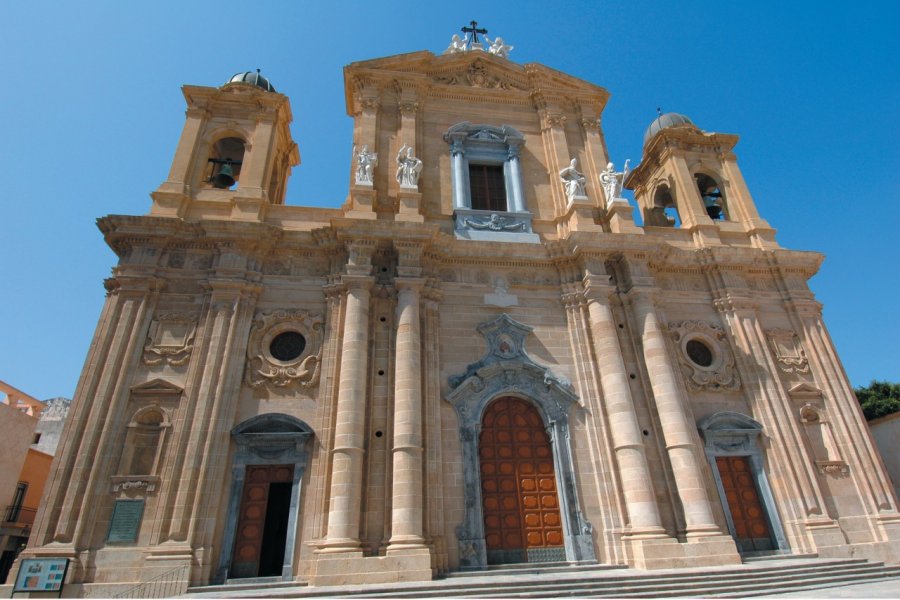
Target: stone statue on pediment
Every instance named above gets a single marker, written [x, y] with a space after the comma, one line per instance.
[497, 47]
[457, 44]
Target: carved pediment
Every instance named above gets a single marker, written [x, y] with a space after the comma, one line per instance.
[804, 391]
[481, 72]
[156, 387]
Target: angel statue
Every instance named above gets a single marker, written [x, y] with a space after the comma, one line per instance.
[457, 44]
[612, 181]
[497, 47]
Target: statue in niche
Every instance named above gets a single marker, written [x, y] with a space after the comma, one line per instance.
[457, 44]
[408, 168]
[573, 180]
[612, 181]
[497, 47]
[365, 165]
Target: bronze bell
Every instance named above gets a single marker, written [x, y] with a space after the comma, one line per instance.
[224, 179]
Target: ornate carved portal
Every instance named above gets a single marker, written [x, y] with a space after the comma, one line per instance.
[507, 372]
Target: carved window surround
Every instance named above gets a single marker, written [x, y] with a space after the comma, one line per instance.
[265, 369]
[506, 370]
[488, 145]
[718, 376]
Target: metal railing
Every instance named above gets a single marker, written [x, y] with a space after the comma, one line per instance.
[20, 515]
[169, 584]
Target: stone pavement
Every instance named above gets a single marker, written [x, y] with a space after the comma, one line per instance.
[878, 589]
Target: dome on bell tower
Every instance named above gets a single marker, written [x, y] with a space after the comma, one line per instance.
[253, 78]
[664, 122]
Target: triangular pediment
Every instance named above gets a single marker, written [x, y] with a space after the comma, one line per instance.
[472, 69]
[156, 386]
[804, 391]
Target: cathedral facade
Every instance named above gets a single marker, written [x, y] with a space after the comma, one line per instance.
[479, 359]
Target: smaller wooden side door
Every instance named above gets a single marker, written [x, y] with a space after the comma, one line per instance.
[751, 526]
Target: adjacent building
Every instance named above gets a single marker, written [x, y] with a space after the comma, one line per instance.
[480, 358]
[29, 433]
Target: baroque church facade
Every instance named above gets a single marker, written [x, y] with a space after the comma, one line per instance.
[479, 359]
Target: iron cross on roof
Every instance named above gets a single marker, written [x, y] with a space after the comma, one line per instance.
[473, 29]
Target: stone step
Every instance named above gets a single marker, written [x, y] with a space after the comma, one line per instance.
[535, 569]
[250, 583]
[479, 585]
[594, 580]
[711, 587]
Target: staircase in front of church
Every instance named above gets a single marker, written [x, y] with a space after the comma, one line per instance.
[550, 580]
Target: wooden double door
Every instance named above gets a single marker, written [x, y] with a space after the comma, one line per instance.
[751, 524]
[259, 543]
[521, 509]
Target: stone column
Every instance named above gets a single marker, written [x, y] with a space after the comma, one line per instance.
[637, 486]
[677, 425]
[406, 511]
[349, 435]
[460, 176]
[515, 180]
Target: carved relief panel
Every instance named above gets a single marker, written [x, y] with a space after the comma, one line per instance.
[170, 339]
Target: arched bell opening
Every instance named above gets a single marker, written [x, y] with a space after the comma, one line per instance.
[664, 211]
[264, 504]
[713, 197]
[223, 169]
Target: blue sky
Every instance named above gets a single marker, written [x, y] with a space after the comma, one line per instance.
[92, 112]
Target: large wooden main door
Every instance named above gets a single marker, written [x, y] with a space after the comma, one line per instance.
[751, 527]
[262, 522]
[518, 486]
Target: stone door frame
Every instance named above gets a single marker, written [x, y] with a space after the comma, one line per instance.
[268, 439]
[506, 370]
[734, 434]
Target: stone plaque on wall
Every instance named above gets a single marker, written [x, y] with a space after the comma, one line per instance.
[126, 521]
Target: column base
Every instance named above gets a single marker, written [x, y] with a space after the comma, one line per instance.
[349, 569]
[669, 553]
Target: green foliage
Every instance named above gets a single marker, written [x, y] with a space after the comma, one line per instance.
[880, 398]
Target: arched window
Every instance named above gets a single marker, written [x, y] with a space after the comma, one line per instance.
[712, 195]
[664, 212]
[224, 165]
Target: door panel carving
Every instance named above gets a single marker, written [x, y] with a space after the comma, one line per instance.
[751, 528]
[252, 516]
[521, 506]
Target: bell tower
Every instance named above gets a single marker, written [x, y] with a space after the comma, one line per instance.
[235, 149]
[690, 179]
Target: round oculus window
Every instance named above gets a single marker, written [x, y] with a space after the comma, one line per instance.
[287, 346]
[699, 353]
